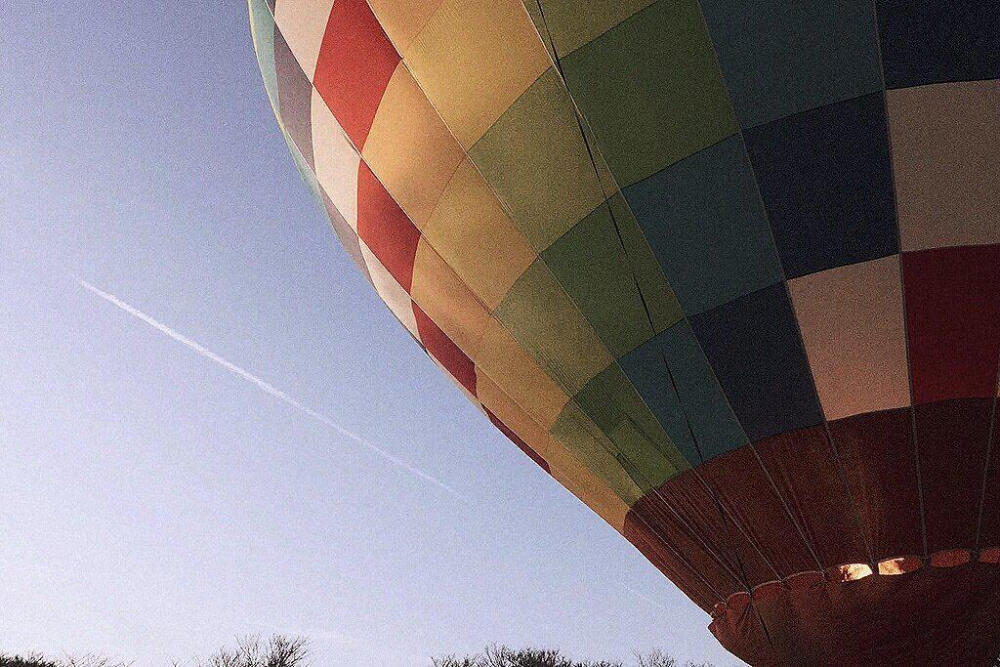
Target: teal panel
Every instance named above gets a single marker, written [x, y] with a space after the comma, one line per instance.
[705, 221]
[262, 24]
[780, 57]
[674, 378]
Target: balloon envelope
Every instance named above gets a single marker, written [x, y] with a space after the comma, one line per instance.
[726, 269]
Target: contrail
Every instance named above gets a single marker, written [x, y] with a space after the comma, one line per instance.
[645, 597]
[265, 386]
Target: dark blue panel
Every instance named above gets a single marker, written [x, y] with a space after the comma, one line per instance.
[935, 41]
[754, 347]
[676, 382]
[705, 222]
[826, 179]
[294, 98]
[782, 57]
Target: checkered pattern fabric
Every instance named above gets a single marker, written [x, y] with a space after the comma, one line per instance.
[660, 241]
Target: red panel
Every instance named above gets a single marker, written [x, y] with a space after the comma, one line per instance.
[876, 451]
[521, 444]
[953, 321]
[385, 229]
[933, 616]
[952, 437]
[803, 466]
[355, 63]
[747, 492]
[444, 350]
[989, 535]
[666, 558]
[714, 523]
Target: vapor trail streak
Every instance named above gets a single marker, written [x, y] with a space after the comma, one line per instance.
[267, 388]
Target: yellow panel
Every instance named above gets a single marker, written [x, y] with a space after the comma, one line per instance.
[517, 374]
[546, 322]
[474, 58]
[303, 25]
[511, 414]
[409, 148]
[563, 465]
[573, 23]
[586, 486]
[536, 159]
[447, 300]
[474, 235]
[402, 20]
[391, 292]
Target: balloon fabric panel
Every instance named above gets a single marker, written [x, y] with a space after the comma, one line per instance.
[657, 243]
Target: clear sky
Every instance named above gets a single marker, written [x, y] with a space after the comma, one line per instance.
[153, 502]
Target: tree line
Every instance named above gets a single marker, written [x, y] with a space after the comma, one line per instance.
[283, 651]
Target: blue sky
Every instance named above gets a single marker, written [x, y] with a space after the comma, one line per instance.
[156, 504]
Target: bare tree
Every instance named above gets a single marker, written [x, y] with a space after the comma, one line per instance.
[502, 656]
[38, 660]
[251, 651]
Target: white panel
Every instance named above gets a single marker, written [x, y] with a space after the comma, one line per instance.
[336, 161]
[303, 24]
[391, 292]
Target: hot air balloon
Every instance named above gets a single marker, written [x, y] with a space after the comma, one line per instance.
[729, 270]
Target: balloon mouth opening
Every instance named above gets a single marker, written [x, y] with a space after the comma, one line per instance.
[850, 572]
[894, 566]
[891, 567]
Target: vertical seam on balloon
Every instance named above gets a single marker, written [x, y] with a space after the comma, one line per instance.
[989, 454]
[860, 524]
[580, 117]
[465, 153]
[607, 202]
[902, 287]
[686, 318]
[553, 373]
[614, 220]
[777, 492]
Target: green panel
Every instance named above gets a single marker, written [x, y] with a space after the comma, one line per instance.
[651, 89]
[548, 325]
[664, 308]
[604, 281]
[573, 23]
[262, 27]
[535, 159]
[615, 406]
[595, 451]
